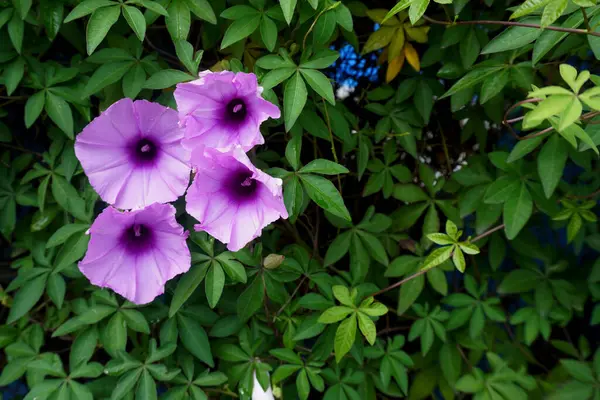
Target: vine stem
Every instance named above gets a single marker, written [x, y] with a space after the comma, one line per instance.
[400, 283]
[587, 196]
[24, 150]
[332, 142]
[312, 26]
[513, 23]
[484, 234]
[421, 272]
[289, 299]
[508, 122]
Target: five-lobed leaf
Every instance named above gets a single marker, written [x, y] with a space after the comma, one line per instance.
[99, 24]
[294, 99]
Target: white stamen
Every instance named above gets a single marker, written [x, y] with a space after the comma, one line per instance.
[137, 230]
[145, 148]
[237, 108]
[247, 181]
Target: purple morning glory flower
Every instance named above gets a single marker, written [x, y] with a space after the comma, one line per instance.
[132, 154]
[231, 198]
[136, 252]
[222, 110]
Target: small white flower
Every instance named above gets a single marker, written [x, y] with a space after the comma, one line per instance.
[258, 393]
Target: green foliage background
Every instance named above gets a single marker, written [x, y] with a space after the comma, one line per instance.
[443, 238]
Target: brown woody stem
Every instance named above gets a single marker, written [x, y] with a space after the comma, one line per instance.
[512, 23]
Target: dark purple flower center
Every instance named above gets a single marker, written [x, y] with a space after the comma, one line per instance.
[236, 110]
[242, 186]
[144, 151]
[138, 238]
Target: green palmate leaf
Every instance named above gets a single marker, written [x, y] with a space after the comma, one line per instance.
[33, 107]
[27, 297]
[573, 227]
[187, 285]
[276, 76]
[594, 41]
[125, 384]
[251, 299]
[215, 281]
[440, 238]
[524, 147]
[417, 9]
[344, 337]
[166, 78]
[320, 84]
[194, 339]
[374, 247]
[335, 314]
[60, 113]
[409, 292]
[517, 210]
[133, 81]
[469, 49]
[338, 248]
[293, 196]
[72, 251]
[13, 73]
[86, 7]
[268, 32]
[5, 16]
[136, 21]
[63, 233]
[321, 59]
[549, 39]
[284, 371]
[23, 7]
[99, 24]
[294, 99]
[179, 20]
[324, 28]
[66, 196]
[528, 7]
[105, 75]
[203, 10]
[288, 6]
[514, 37]
[146, 388]
[379, 39]
[16, 30]
[153, 6]
[437, 256]
[342, 294]
[570, 114]
[471, 79]
[367, 328]
[115, 334]
[292, 151]
[287, 355]
[551, 106]
[502, 189]
[401, 5]
[553, 10]
[578, 370]
[458, 259]
[185, 53]
[240, 29]
[494, 85]
[325, 167]
[325, 195]
[302, 385]
[551, 162]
